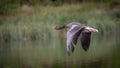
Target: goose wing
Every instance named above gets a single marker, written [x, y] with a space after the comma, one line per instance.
[85, 38]
[72, 37]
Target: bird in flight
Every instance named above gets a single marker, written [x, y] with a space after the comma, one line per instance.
[77, 30]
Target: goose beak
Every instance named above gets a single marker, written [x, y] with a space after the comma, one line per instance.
[54, 27]
[91, 29]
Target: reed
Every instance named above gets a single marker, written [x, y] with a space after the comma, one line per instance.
[36, 23]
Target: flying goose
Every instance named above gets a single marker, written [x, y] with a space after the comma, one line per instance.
[75, 31]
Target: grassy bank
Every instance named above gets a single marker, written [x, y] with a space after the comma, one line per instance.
[32, 23]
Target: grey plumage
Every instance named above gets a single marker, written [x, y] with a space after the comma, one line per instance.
[85, 38]
[72, 37]
[75, 31]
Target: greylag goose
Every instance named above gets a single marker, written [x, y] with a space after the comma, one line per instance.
[75, 31]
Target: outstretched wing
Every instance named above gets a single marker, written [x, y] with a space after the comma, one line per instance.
[72, 37]
[85, 38]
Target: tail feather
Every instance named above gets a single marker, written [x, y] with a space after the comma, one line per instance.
[91, 29]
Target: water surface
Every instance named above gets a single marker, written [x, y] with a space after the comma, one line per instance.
[51, 53]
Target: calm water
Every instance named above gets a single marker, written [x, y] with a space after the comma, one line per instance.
[51, 53]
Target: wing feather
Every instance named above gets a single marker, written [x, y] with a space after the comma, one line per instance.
[85, 38]
[72, 37]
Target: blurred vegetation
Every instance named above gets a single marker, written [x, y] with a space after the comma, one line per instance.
[33, 19]
[7, 6]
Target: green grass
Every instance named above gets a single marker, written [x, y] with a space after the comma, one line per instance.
[36, 22]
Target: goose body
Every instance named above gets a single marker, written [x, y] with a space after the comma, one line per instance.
[77, 30]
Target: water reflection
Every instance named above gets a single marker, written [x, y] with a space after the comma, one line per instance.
[51, 53]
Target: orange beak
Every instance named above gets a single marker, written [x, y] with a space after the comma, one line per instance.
[54, 27]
